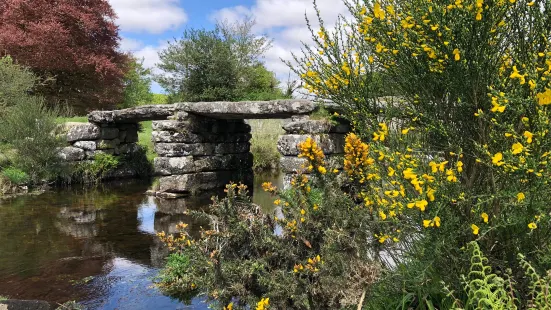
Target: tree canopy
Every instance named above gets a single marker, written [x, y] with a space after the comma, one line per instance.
[220, 64]
[73, 42]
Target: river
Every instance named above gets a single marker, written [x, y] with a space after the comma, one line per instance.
[96, 246]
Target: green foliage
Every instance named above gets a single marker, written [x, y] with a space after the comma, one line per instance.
[30, 129]
[137, 83]
[159, 99]
[312, 262]
[96, 170]
[15, 82]
[145, 140]
[176, 277]
[15, 176]
[75, 119]
[3, 297]
[218, 65]
[265, 134]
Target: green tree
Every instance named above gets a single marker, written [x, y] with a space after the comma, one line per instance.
[15, 81]
[220, 64]
[137, 83]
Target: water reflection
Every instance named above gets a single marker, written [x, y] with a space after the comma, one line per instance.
[96, 246]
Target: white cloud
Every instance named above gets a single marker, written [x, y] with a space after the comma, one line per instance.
[152, 16]
[284, 21]
[283, 13]
[130, 45]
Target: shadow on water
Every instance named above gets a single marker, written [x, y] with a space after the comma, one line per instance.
[96, 246]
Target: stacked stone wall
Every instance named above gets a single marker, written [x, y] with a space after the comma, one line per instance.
[198, 153]
[86, 140]
[329, 137]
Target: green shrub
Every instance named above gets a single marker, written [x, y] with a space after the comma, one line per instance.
[175, 277]
[29, 128]
[314, 262]
[15, 175]
[15, 82]
[96, 170]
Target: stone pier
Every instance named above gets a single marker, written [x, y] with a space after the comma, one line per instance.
[328, 135]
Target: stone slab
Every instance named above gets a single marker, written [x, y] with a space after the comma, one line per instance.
[194, 182]
[232, 148]
[329, 143]
[173, 165]
[224, 162]
[179, 137]
[249, 109]
[184, 149]
[315, 127]
[83, 132]
[133, 115]
[71, 153]
[108, 133]
[86, 145]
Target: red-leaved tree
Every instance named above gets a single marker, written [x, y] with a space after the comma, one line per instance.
[75, 42]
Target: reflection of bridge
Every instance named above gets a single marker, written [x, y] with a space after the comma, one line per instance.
[202, 146]
[123, 232]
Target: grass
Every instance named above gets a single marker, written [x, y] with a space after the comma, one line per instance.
[76, 119]
[264, 143]
[144, 139]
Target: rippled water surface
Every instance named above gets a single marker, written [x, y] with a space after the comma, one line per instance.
[96, 246]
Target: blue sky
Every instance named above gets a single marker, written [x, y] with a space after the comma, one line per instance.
[146, 25]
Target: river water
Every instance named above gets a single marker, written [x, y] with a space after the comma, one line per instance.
[96, 246]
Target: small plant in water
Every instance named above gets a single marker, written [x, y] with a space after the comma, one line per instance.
[15, 176]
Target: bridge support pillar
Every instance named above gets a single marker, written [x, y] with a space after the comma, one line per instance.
[329, 136]
[198, 153]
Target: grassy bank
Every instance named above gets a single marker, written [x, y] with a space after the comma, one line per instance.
[264, 143]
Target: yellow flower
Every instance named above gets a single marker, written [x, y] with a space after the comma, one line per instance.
[520, 197]
[277, 202]
[426, 223]
[421, 204]
[315, 207]
[517, 75]
[532, 226]
[437, 221]
[497, 159]
[335, 170]
[475, 229]
[322, 170]
[528, 135]
[382, 215]
[378, 11]
[302, 211]
[405, 131]
[484, 216]
[263, 304]
[229, 307]
[457, 54]
[517, 148]
[545, 97]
